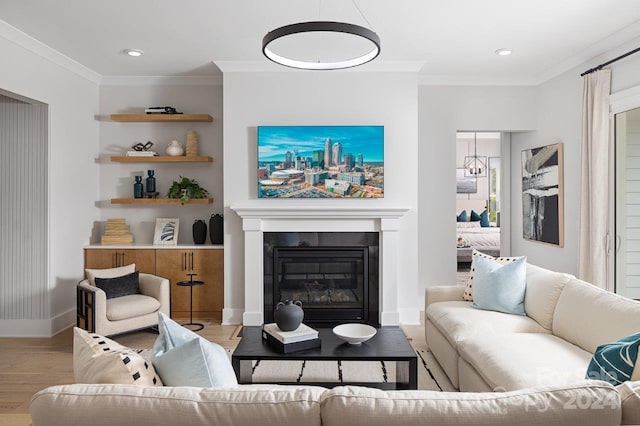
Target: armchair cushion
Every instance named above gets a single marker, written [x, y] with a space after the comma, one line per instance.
[131, 306]
[108, 273]
[119, 286]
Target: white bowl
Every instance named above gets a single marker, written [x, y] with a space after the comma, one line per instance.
[354, 333]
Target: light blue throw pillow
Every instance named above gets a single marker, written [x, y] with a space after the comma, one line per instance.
[183, 358]
[500, 287]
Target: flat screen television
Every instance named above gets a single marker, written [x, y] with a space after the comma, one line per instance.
[320, 161]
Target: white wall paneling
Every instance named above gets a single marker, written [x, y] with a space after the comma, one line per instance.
[23, 211]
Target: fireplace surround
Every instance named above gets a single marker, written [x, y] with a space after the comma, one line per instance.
[334, 275]
[262, 217]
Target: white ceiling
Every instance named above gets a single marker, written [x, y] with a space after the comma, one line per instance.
[452, 39]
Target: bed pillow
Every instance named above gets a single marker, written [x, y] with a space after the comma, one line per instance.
[461, 225]
[462, 217]
[483, 218]
[616, 362]
[500, 287]
[183, 358]
[468, 292]
[119, 286]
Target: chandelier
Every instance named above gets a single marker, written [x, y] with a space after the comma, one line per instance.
[474, 165]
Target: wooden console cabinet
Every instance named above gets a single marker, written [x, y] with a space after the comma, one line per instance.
[173, 264]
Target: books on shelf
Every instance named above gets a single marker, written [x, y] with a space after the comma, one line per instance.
[302, 333]
[141, 153]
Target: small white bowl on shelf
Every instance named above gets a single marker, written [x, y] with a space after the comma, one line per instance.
[354, 333]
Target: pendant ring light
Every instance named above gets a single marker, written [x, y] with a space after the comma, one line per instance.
[321, 26]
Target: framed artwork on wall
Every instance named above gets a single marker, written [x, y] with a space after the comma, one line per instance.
[166, 232]
[465, 184]
[542, 195]
[320, 161]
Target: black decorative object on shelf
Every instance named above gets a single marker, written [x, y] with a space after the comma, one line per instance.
[151, 181]
[138, 187]
[199, 232]
[216, 223]
[288, 315]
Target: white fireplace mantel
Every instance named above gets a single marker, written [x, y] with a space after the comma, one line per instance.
[258, 218]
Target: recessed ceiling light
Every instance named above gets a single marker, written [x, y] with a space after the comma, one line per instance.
[133, 52]
[503, 52]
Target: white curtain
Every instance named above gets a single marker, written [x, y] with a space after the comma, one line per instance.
[597, 151]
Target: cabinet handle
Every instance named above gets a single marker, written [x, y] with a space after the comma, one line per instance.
[192, 261]
[122, 259]
[184, 261]
[114, 260]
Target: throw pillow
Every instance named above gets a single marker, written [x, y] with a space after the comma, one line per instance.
[108, 273]
[97, 359]
[616, 362]
[500, 287]
[183, 358]
[468, 291]
[475, 217]
[119, 286]
[462, 217]
[484, 219]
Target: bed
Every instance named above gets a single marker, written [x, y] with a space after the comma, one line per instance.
[471, 235]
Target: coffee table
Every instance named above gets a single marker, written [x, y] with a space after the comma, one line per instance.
[389, 344]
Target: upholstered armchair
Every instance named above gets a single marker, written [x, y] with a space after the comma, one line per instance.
[98, 314]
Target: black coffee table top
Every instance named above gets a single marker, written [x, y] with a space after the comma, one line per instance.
[389, 343]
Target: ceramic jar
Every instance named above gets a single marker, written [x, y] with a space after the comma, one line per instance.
[288, 315]
[199, 231]
[174, 149]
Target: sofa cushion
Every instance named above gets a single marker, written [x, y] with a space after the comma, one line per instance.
[183, 358]
[549, 405]
[500, 287]
[630, 398]
[468, 292]
[97, 359]
[119, 286]
[132, 306]
[108, 405]
[458, 321]
[543, 290]
[520, 360]
[109, 272]
[616, 362]
[589, 316]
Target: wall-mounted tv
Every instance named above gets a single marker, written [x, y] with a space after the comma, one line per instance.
[320, 161]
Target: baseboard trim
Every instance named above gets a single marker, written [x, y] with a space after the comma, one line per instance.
[37, 328]
[232, 316]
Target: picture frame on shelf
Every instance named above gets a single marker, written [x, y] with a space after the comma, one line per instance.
[166, 232]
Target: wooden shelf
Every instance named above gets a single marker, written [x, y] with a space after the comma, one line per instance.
[160, 201]
[161, 159]
[166, 118]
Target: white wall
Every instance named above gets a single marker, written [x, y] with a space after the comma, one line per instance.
[442, 112]
[71, 92]
[116, 179]
[320, 98]
[558, 105]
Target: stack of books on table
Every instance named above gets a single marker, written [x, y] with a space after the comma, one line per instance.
[304, 337]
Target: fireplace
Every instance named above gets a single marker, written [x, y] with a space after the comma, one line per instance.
[333, 274]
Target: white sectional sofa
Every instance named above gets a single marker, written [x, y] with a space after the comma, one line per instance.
[566, 319]
[585, 403]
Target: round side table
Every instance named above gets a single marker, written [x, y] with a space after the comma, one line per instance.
[191, 283]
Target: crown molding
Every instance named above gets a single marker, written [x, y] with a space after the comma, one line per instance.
[268, 66]
[196, 80]
[29, 43]
[472, 80]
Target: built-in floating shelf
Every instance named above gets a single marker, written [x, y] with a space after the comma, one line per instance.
[159, 118]
[160, 201]
[161, 159]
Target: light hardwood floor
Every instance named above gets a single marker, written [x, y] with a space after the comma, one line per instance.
[28, 365]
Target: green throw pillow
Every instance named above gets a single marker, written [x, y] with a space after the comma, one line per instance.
[615, 362]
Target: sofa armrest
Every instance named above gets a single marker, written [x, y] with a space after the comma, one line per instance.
[91, 306]
[158, 288]
[443, 293]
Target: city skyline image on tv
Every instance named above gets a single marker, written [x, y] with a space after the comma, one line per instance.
[321, 161]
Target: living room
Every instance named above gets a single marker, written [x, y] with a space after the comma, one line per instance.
[421, 112]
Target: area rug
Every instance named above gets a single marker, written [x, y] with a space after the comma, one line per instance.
[430, 375]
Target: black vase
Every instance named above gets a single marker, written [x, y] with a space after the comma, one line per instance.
[216, 229]
[199, 232]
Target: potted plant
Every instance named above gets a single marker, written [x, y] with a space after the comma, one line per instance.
[186, 189]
